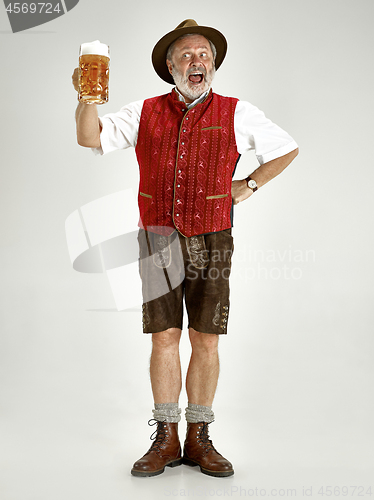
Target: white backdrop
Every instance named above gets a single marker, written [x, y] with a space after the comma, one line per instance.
[294, 406]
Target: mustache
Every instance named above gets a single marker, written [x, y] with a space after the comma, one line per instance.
[196, 69]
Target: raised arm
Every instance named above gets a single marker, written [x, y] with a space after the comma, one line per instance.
[87, 120]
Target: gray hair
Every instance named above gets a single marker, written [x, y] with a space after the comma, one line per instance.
[170, 51]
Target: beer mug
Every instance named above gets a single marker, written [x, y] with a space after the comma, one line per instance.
[93, 72]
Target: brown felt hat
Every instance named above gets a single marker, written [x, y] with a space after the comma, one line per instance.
[188, 26]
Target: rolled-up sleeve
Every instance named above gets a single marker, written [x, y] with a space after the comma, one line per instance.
[254, 131]
[119, 130]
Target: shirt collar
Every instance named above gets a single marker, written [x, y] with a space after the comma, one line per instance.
[196, 101]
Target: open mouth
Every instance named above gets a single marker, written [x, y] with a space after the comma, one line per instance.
[196, 77]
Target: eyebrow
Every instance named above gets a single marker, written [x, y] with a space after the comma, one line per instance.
[188, 47]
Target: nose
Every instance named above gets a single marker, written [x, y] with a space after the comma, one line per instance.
[195, 59]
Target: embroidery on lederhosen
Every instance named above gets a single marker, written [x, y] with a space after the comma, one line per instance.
[162, 255]
[197, 251]
[225, 314]
[217, 315]
[146, 318]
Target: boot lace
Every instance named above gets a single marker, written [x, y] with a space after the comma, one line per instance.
[204, 438]
[158, 436]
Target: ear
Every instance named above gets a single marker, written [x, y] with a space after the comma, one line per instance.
[170, 66]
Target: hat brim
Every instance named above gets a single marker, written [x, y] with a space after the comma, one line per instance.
[160, 49]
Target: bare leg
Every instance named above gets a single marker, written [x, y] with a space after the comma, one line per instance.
[165, 367]
[203, 370]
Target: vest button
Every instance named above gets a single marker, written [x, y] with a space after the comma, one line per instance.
[177, 215]
[178, 185]
[184, 130]
[179, 171]
[181, 156]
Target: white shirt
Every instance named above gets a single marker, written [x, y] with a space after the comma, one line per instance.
[253, 131]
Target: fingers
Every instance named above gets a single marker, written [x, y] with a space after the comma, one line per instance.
[75, 79]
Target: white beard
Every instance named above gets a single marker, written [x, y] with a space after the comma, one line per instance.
[193, 91]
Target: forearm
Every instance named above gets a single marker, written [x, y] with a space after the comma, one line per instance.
[88, 125]
[266, 172]
[263, 174]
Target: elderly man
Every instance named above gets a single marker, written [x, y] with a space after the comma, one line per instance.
[187, 143]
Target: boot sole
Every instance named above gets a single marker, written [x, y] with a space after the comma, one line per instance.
[140, 473]
[192, 463]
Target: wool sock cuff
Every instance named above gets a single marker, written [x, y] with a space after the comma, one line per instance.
[167, 412]
[199, 413]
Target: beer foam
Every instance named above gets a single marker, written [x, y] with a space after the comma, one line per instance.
[95, 47]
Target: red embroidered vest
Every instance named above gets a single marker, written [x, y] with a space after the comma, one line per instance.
[186, 159]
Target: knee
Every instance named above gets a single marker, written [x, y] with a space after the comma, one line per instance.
[206, 343]
[166, 340]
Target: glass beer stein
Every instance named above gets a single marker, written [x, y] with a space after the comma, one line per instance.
[93, 72]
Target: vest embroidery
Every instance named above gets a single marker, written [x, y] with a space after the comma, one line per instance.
[186, 160]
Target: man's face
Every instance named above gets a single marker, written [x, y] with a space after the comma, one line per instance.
[192, 66]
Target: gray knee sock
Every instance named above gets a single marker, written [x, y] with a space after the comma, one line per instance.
[167, 412]
[199, 413]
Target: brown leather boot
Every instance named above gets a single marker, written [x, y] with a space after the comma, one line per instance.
[165, 451]
[199, 450]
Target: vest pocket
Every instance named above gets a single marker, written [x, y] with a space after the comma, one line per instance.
[212, 128]
[215, 196]
[145, 195]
